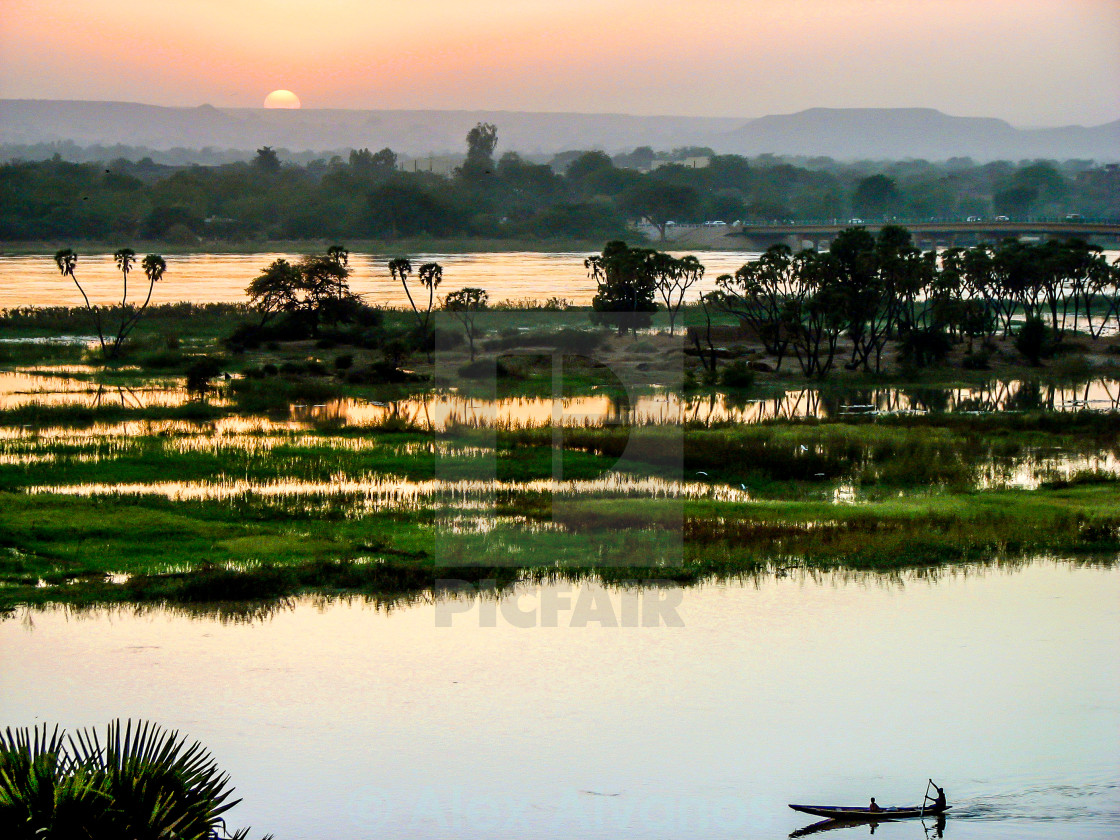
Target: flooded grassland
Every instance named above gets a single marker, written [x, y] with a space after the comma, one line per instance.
[122, 483]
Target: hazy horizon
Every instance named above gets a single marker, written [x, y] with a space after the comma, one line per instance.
[1035, 63]
[546, 111]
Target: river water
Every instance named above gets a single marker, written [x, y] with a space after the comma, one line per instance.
[551, 715]
[33, 280]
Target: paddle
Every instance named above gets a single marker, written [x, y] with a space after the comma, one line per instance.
[928, 798]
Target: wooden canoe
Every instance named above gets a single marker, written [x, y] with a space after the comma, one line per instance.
[839, 812]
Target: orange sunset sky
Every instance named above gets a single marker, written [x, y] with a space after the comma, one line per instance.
[1032, 62]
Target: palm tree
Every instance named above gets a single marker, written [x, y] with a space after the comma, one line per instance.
[401, 269]
[431, 275]
[141, 781]
[67, 261]
[124, 259]
[154, 268]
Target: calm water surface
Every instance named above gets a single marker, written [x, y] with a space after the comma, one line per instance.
[341, 720]
[34, 280]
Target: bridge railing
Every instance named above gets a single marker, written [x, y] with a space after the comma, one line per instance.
[908, 222]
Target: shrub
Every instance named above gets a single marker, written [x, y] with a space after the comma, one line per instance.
[160, 360]
[737, 375]
[1033, 341]
[201, 371]
[568, 340]
[381, 373]
[484, 369]
[924, 347]
[978, 360]
[449, 339]
[343, 362]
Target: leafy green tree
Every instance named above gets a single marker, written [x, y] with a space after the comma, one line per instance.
[674, 277]
[340, 257]
[659, 202]
[314, 289]
[814, 312]
[429, 275]
[586, 164]
[465, 305]
[277, 289]
[154, 267]
[1044, 178]
[368, 163]
[757, 294]
[124, 258]
[876, 196]
[627, 283]
[403, 207]
[1016, 201]
[641, 158]
[481, 142]
[267, 160]
[582, 220]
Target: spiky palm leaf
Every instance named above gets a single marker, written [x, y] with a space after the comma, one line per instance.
[160, 785]
[141, 783]
[43, 792]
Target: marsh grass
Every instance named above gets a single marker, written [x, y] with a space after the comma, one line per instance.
[180, 319]
[251, 550]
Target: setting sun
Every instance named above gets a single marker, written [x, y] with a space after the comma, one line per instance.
[281, 99]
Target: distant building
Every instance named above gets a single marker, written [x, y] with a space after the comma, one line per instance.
[698, 162]
[436, 164]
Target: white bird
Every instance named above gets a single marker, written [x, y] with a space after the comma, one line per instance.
[804, 448]
[701, 472]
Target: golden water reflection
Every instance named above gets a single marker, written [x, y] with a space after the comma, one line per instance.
[64, 386]
[377, 492]
[444, 410]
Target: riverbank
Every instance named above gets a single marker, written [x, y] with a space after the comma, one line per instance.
[404, 245]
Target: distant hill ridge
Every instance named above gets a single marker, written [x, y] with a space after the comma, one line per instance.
[841, 133]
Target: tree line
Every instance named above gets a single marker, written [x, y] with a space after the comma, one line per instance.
[874, 291]
[866, 296]
[586, 195]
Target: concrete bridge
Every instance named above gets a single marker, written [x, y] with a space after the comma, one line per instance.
[757, 237]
